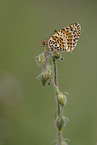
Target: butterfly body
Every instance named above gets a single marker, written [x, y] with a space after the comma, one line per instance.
[65, 39]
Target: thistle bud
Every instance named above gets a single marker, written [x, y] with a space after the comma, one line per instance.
[61, 99]
[60, 123]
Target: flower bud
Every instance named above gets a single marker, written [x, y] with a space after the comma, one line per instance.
[56, 55]
[60, 123]
[49, 82]
[62, 99]
[61, 58]
[40, 59]
[48, 72]
[42, 78]
[45, 76]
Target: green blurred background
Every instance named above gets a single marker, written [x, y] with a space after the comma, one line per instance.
[26, 108]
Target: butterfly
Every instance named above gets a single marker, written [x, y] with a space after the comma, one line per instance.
[64, 39]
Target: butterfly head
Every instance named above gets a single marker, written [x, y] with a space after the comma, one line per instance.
[43, 43]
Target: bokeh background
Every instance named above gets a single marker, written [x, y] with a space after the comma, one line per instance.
[27, 109]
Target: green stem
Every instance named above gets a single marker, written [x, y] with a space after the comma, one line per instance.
[59, 109]
[60, 138]
[56, 83]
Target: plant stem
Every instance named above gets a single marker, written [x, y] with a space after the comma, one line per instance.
[56, 83]
[59, 109]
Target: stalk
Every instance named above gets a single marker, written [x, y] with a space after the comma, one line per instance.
[49, 75]
[56, 83]
[59, 108]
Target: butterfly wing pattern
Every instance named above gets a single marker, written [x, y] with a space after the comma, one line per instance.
[65, 39]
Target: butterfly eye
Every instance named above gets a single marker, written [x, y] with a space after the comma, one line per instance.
[43, 42]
